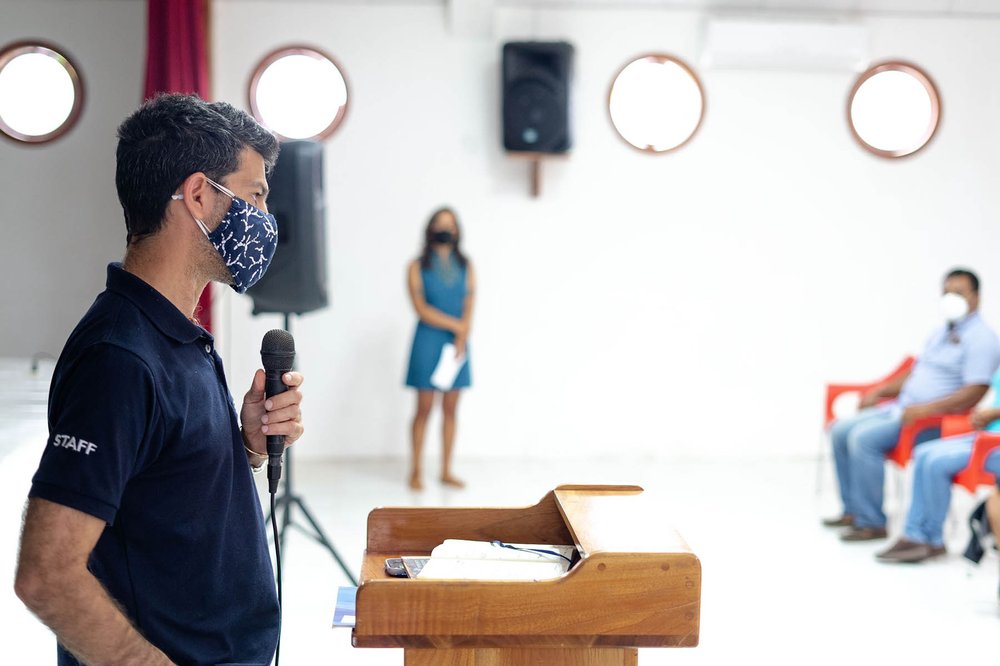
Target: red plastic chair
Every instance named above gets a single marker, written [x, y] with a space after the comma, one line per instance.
[956, 424]
[833, 391]
[903, 451]
[975, 473]
[950, 425]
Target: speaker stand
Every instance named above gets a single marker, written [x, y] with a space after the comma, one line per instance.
[288, 500]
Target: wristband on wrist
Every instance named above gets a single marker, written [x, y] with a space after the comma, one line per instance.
[262, 456]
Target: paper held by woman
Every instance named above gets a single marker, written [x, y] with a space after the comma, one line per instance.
[448, 367]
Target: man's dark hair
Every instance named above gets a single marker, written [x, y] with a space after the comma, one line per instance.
[172, 136]
[969, 275]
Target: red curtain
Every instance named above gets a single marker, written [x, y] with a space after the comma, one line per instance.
[177, 61]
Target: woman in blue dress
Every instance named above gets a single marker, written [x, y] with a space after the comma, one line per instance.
[442, 286]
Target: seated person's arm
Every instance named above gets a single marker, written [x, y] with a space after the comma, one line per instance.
[961, 400]
[884, 391]
[981, 418]
[55, 584]
[981, 358]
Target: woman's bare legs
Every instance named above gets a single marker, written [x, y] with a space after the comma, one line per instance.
[425, 400]
[449, 406]
[993, 513]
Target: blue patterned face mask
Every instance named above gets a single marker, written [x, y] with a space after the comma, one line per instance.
[245, 239]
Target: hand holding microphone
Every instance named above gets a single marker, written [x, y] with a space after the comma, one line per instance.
[271, 416]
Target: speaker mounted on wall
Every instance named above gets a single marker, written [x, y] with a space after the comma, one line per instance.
[536, 96]
[295, 282]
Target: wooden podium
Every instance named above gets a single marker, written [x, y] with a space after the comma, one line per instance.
[637, 585]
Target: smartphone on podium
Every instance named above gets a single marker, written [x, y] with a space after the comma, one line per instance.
[394, 567]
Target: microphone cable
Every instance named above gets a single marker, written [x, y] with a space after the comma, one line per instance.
[277, 560]
[277, 355]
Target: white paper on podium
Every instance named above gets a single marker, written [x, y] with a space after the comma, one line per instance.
[447, 368]
[459, 559]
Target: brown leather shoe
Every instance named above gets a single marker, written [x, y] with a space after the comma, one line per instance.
[918, 552]
[845, 520]
[901, 544]
[863, 534]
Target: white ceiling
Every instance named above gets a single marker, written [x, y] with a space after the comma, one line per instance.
[916, 7]
[966, 8]
[909, 7]
[929, 8]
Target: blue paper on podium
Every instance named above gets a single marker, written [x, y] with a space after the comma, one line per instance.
[344, 613]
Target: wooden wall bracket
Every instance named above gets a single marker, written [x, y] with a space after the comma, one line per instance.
[536, 178]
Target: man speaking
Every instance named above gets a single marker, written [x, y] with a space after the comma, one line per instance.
[143, 540]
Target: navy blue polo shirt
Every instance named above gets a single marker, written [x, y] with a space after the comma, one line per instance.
[144, 435]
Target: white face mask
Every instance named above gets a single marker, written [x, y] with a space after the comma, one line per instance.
[953, 307]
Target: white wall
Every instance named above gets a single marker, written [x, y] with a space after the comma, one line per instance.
[677, 306]
[685, 305]
[60, 215]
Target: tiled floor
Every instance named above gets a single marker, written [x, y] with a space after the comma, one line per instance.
[777, 588]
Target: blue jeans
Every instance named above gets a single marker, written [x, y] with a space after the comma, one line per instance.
[934, 465]
[860, 444]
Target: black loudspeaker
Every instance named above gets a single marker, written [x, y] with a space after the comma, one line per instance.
[295, 282]
[536, 82]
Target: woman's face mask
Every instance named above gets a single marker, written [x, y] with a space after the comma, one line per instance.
[443, 237]
[953, 307]
[245, 239]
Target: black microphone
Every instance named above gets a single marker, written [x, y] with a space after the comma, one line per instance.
[277, 354]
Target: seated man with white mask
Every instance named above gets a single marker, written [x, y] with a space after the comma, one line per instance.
[952, 375]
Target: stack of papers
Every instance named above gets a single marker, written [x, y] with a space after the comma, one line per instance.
[458, 559]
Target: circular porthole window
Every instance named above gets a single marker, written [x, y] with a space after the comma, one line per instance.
[894, 109]
[299, 93]
[41, 93]
[656, 103]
